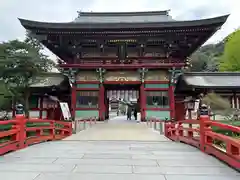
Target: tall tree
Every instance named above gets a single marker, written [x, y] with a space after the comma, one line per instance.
[21, 63]
[39, 48]
[207, 57]
[199, 62]
[33, 42]
[230, 61]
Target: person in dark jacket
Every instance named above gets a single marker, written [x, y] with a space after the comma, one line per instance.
[129, 113]
[135, 113]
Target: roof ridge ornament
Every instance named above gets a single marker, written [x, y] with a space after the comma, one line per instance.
[127, 13]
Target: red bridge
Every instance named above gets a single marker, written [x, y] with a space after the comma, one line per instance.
[117, 53]
[118, 148]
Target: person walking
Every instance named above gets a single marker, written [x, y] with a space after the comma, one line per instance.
[135, 113]
[129, 113]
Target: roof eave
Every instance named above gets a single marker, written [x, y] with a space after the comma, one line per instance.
[212, 73]
[28, 24]
[215, 87]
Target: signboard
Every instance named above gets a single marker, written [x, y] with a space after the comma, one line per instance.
[65, 111]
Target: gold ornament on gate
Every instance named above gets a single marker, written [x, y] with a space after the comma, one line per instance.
[122, 79]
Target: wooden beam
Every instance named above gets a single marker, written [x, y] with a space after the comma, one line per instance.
[122, 82]
[123, 66]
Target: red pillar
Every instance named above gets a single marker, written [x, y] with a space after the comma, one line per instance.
[13, 112]
[142, 102]
[73, 100]
[101, 103]
[202, 120]
[21, 121]
[41, 107]
[179, 111]
[172, 101]
[13, 108]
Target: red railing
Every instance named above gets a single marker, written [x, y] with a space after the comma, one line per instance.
[201, 134]
[21, 132]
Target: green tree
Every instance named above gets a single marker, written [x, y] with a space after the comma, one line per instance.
[216, 102]
[21, 64]
[33, 42]
[5, 101]
[199, 62]
[230, 60]
[207, 57]
[39, 48]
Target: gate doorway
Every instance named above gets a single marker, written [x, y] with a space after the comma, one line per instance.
[119, 96]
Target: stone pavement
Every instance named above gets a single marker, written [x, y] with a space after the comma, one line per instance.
[118, 128]
[119, 159]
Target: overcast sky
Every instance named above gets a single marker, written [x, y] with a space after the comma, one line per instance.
[66, 10]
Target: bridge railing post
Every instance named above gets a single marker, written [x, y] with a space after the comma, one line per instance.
[180, 131]
[202, 129]
[155, 123]
[190, 133]
[161, 127]
[166, 128]
[75, 126]
[84, 123]
[53, 130]
[21, 121]
[90, 122]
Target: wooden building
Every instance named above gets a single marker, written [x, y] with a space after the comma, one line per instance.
[192, 84]
[140, 51]
[45, 95]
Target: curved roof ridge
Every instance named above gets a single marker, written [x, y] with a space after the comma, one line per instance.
[135, 13]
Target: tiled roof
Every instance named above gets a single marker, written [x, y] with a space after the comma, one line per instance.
[228, 79]
[48, 81]
[152, 21]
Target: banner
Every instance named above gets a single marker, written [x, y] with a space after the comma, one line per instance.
[65, 111]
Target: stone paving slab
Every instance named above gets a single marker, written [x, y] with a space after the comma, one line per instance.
[106, 156]
[200, 162]
[18, 175]
[102, 162]
[103, 169]
[26, 160]
[78, 176]
[201, 177]
[28, 167]
[186, 170]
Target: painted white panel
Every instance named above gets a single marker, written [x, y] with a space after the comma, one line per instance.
[237, 102]
[233, 102]
[44, 114]
[10, 114]
[34, 114]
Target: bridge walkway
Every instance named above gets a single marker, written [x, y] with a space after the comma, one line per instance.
[118, 149]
